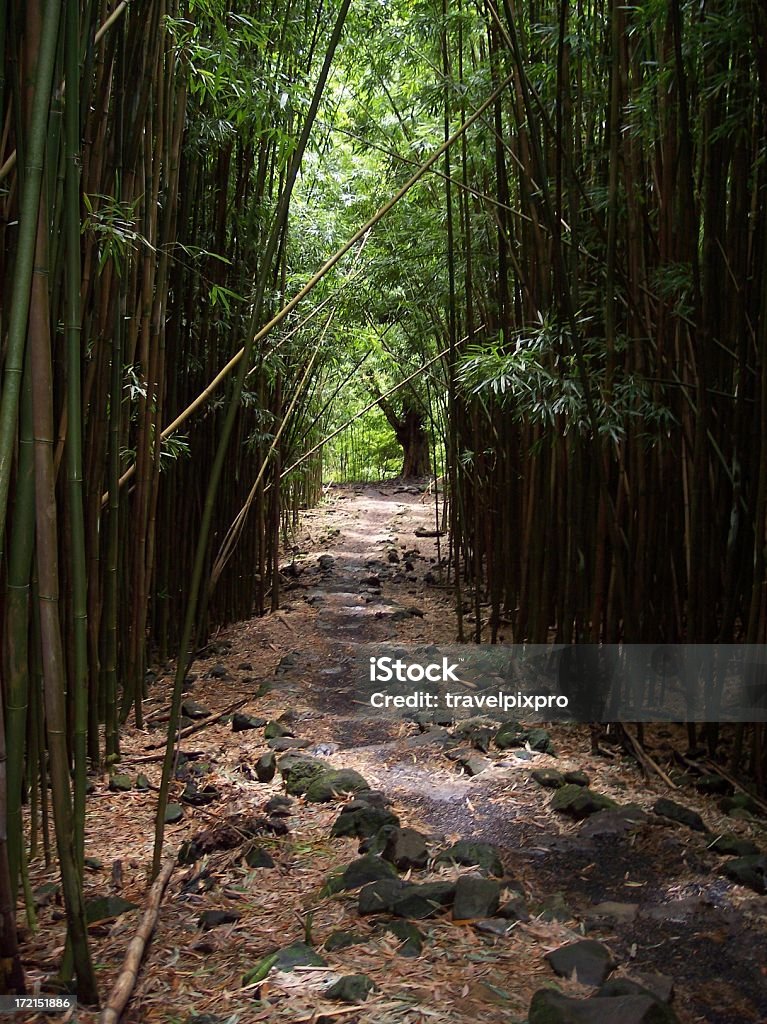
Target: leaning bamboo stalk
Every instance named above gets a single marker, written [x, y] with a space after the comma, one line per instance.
[126, 980]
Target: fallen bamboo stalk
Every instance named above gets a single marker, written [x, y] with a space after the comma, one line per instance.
[123, 987]
[204, 725]
[646, 761]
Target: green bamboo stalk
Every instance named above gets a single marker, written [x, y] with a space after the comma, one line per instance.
[34, 154]
[74, 445]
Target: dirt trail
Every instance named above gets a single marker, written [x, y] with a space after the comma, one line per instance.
[362, 575]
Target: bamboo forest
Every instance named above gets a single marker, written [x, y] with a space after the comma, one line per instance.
[339, 335]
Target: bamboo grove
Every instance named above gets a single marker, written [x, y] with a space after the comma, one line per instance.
[549, 227]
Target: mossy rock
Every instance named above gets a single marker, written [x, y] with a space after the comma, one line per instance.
[332, 784]
[580, 802]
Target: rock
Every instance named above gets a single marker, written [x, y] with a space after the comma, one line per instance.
[474, 764]
[279, 806]
[173, 814]
[616, 987]
[195, 711]
[142, 783]
[577, 778]
[392, 556]
[510, 734]
[342, 940]
[580, 802]
[555, 908]
[266, 766]
[242, 722]
[204, 1018]
[614, 822]
[120, 784]
[473, 854]
[540, 740]
[214, 918]
[282, 743]
[366, 869]
[549, 778]
[611, 911]
[514, 909]
[335, 783]
[739, 802]
[733, 846]
[94, 863]
[258, 857]
[475, 897]
[197, 797]
[286, 959]
[326, 562]
[219, 671]
[676, 812]
[750, 871]
[103, 908]
[275, 729]
[660, 985]
[422, 901]
[352, 988]
[410, 937]
[245, 666]
[551, 1007]
[498, 926]
[713, 785]
[359, 820]
[406, 848]
[590, 961]
[380, 896]
[299, 771]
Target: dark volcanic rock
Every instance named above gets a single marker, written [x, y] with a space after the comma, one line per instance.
[286, 959]
[299, 771]
[275, 729]
[193, 710]
[550, 1007]
[258, 857]
[474, 854]
[614, 822]
[475, 896]
[120, 783]
[410, 937]
[406, 848]
[549, 778]
[173, 814]
[266, 766]
[728, 845]
[213, 918]
[380, 896]
[242, 722]
[577, 778]
[589, 960]
[279, 806]
[580, 802]
[343, 940]
[676, 812]
[359, 820]
[750, 871]
[510, 734]
[366, 869]
[335, 783]
[422, 901]
[353, 988]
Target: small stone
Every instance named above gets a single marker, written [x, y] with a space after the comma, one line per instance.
[510, 734]
[749, 871]
[266, 766]
[360, 820]
[366, 869]
[352, 988]
[326, 562]
[380, 896]
[299, 954]
[475, 897]
[214, 918]
[245, 666]
[514, 909]
[299, 771]
[551, 1007]
[282, 743]
[195, 711]
[120, 784]
[579, 802]
[275, 729]
[258, 857]
[242, 722]
[589, 961]
[93, 863]
[173, 814]
[555, 908]
[219, 671]
[422, 901]
[279, 806]
[577, 778]
[196, 797]
[729, 845]
[474, 854]
[406, 848]
[713, 785]
[142, 783]
[103, 908]
[676, 812]
[342, 940]
[540, 740]
[739, 802]
[549, 778]
[474, 764]
[498, 926]
[613, 822]
[333, 784]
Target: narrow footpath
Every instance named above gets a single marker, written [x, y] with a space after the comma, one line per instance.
[451, 870]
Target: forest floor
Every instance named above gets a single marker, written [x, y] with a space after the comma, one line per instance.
[650, 889]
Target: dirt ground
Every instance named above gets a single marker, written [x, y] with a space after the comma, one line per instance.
[363, 575]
